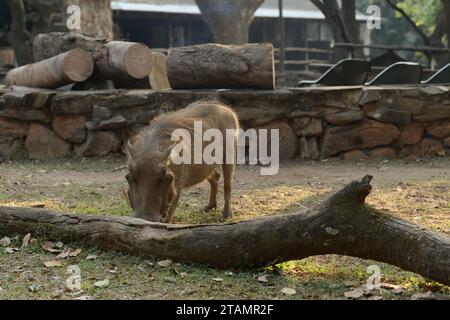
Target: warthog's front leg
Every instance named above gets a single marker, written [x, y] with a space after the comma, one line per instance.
[228, 170]
[173, 207]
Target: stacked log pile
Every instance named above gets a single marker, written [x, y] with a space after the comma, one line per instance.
[64, 58]
[133, 65]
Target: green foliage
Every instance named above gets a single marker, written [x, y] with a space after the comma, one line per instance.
[423, 12]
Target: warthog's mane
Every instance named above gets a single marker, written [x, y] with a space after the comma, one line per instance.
[156, 137]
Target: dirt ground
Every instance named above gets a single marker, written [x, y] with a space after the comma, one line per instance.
[418, 191]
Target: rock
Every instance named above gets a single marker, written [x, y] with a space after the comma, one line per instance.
[288, 139]
[313, 128]
[98, 144]
[426, 148]
[299, 124]
[439, 130]
[25, 114]
[30, 98]
[253, 113]
[115, 123]
[11, 147]
[355, 155]
[369, 96]
[388, 114]
[361, 136]
[344, 118]
[70, 127]
[433, 113]
[72, 103]
[101, 113]
[382, 153]
[308, 148]
[13, 128]
[411, 134]
[447, 142]
[42, 143]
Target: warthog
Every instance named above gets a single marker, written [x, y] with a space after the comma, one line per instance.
[156, 182]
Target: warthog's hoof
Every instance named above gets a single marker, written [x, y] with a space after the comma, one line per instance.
[226, 213]
[210, 207]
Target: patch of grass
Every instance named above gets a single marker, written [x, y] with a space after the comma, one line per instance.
[95, 187]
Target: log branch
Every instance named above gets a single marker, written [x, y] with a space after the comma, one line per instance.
[342, 224]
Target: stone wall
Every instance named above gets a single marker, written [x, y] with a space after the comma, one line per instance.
[351, 123]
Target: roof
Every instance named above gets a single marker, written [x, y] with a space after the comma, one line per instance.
[303, 9]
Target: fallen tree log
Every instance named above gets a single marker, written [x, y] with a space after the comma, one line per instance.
[119, 61]
[342, 224]
[75, 65]
[214, 66]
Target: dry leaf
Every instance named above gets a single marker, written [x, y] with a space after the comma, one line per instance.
[165, 263]
[11, 250]
[26, 240]
[91, 257]
[35, 287]
[217, 279]
[4, 242]
[376, 298]
[83, 298]
[262, 279]
[420, 296]
[49, 247]
[354, 294]
[53, 263]
[170, 279]
[102, 284]
[69, 253]
[288, 291]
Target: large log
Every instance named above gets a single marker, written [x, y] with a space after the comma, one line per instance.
[343, 224]
[214, 66]
[75, 65]
[118, 61]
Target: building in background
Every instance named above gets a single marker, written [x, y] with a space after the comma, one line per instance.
[167, 23]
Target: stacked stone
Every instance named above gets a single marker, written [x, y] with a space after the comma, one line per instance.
[314, 123]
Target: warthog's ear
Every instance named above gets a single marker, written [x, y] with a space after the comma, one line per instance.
[169, 150]
[128, 149]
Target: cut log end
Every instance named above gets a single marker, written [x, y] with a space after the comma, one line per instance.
[77, 65]
[137, 60]
[158, 76]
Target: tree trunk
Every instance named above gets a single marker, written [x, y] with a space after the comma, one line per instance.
[96, 18]
[342, 224]
[352, 25]
[229, 21]
[75, 65]
[19, 37]
[333, 16]
[118, 61]
[211, 66]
